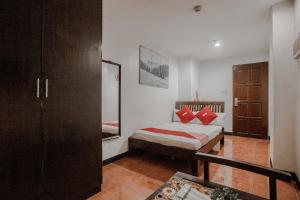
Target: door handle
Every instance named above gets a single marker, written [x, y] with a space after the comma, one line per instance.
[236, 102]
[38, 88]
[46, 88]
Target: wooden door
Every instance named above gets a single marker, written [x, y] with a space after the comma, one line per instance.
[250, 99]
[20, 138]
[72, 32]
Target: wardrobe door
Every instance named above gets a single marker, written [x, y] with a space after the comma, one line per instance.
[72, 32]
[20, 137]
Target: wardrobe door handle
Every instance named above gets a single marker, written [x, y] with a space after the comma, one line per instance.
[46, 93]
[38, 88]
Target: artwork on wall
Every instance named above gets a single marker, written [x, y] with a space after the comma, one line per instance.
[154, 69]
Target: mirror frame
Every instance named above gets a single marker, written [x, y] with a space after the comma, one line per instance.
[119, 106]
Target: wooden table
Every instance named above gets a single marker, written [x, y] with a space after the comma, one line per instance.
[201, 183]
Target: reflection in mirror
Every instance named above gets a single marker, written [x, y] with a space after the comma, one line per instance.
[111, 112]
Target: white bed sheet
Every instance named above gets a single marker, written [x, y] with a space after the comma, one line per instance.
[110, 129]
[170, 140]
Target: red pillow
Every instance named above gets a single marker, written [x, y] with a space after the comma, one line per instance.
[206, 116]
[185, 115]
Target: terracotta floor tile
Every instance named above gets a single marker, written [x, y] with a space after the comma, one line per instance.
[136, 177]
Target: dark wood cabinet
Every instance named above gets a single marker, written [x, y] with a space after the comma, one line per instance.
[20, 67]
[50, 102]
[72, 119]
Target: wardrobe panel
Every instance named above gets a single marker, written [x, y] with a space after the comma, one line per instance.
[72, 32]
[20, 137]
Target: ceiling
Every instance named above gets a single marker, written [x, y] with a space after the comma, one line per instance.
[242, 26]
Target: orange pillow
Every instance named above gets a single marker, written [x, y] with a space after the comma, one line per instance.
[206, 116]
[185, 115]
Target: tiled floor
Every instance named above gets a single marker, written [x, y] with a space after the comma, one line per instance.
[136, 177]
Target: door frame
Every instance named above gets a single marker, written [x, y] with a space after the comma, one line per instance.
[266, 136]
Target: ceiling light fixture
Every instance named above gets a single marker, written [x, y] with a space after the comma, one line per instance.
[217, 43]
[197, 8]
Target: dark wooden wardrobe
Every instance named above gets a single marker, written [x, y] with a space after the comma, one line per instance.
[50, 99]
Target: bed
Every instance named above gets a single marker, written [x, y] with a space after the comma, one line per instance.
[157, 140]
[110, 129]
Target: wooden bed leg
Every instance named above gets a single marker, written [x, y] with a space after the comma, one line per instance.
[131, 150]
[194, 167]
[222, 141]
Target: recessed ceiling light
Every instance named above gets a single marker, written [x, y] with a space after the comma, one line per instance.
[217, 43]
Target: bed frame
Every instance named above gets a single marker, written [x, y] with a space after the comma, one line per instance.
[180, 153]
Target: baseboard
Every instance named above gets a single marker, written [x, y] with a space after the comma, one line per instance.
[228, 133]
[252, 136]
[115, 158]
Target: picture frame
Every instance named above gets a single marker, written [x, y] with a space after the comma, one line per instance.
[153, 68]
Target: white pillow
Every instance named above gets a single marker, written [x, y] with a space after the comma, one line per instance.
[219, 121]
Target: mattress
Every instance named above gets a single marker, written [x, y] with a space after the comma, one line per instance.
[182, 142]
[111, 127]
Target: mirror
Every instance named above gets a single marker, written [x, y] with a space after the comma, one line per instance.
[111, 100]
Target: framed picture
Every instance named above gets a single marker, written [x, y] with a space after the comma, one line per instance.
[153, 68]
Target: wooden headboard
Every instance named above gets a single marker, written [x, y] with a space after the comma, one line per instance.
[215, 106]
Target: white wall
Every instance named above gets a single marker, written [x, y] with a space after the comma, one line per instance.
[110, 93]
[142, 106]
[297, 135]
[284, 86]
[213, 80]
